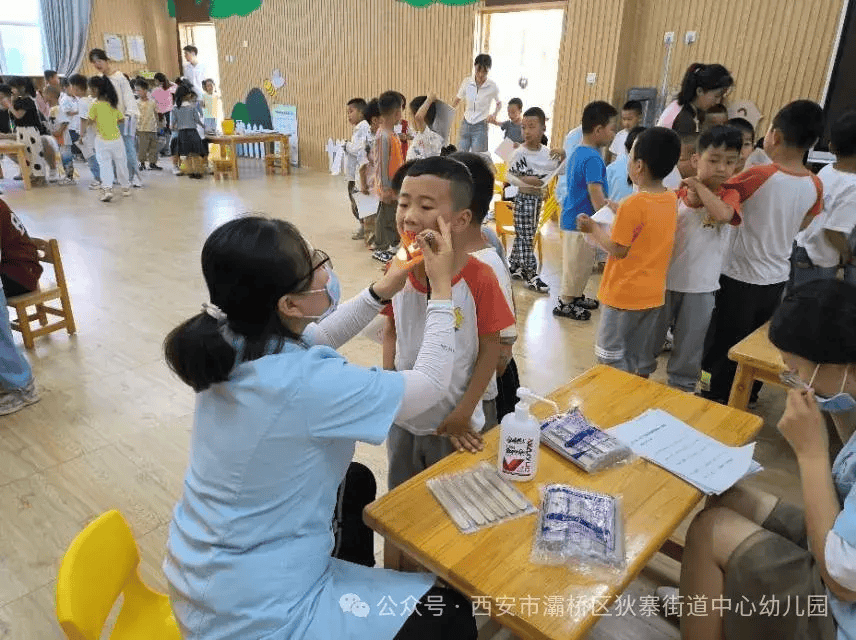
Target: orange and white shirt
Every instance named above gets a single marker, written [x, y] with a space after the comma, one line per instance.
[775, 202]
[646, 223]
[480, 309]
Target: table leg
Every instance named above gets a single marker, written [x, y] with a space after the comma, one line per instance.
[741, 388]
[25, 169]
[234, 154]
[285, 155]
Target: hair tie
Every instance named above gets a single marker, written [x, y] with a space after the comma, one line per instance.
[214, 311]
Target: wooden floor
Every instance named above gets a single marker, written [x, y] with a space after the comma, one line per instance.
[112, 428]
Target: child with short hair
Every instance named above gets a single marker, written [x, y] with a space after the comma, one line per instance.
[441, 189]
[617, 178]
[355, 110]
[86, 144]
[824, 244]
[366, 172]
[778, 200]
[426, 142]
[109, 145]
[530, 163]
[587, 192]
[147, 127]
[715, 116]
[59, 121]
[210, 106]
[186, 119]
[631, 117]
[685, 167]
[705, 207]
[748, 132]
[390, 157]
[501, 394]
[643, 234]
[511, 128]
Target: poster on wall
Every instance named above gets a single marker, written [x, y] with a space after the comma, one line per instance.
[136, 49]
[114, 46]
[284, 118]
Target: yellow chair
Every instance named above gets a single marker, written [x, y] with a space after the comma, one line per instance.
[499, 177]
[101, 563]
[504, 213]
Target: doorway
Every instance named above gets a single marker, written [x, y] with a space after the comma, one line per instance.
[524, 45]
[203, 36]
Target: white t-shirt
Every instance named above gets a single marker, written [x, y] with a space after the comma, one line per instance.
[355, 148]
[127, 100]
[774, 205]
[195, 73]
[700, 245]
[508, 335]
[617, 147]
[673, 180]
[526, 162]
[86, 144]
[478, 99]
[425, 144]
[68, 105]
[480, 309]
[839, 214]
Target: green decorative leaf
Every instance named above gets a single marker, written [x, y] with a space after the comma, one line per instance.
[170, 7]
[240, 113]
[425, 3]
[229, 8]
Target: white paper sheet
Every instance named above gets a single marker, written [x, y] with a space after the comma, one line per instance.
[604, 215]
[680, 449]
[443, 119]
[505, 149]
[366, 204]
[546, 180]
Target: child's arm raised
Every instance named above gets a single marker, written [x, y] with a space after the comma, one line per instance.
[587, 225]
[716, 208]
[419, 116]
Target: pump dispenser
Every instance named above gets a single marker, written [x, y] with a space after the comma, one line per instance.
[519, 439]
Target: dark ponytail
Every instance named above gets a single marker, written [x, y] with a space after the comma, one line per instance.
[707, 77]
[249, 263]
[104, 89]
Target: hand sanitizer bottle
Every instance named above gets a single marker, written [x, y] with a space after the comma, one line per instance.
[519, 439]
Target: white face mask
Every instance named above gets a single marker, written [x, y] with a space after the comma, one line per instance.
[839, 403]
[333, 288]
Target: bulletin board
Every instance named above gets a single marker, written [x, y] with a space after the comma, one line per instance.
[136, 49]
[114, 46]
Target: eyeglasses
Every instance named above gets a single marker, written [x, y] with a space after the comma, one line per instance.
[319, 259]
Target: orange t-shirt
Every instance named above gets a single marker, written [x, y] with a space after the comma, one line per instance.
[645, 222]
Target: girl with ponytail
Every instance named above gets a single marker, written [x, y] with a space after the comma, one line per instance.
[703, 86]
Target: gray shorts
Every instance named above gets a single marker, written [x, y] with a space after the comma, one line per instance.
[626, 339]
[409, 454]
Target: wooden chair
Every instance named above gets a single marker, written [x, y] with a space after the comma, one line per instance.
[272, 162]
[48, 251]
[222, 167]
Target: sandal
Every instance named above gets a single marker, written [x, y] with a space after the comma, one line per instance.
[572, 311]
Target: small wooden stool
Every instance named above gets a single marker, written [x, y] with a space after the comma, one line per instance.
[272, 162]
[222, 167]
[757, 359]
[48, 251]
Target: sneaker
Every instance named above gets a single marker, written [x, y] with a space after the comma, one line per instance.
[94, 185]
[669, 343]
[126, 192]
[18, 177]
[67, 181]
[177, 171]
[359, 234]
[572, 311]
[382, 256]
[16, 400]
[106, 195]
[142, 166]
[155, 167]
[535, 283]
[137, 183]
[516, 273]
[586, 303]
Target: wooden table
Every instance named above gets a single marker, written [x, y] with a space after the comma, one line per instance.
[11, 147]
[492, 566]
[757, 359]
[232, 141]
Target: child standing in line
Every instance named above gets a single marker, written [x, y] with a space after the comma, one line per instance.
[511, 128]
[59, 122]
[587, 191]
[356, 111]
[87, 130]
[705, 207]
[109, 146]
[147, 127]
[825, 244]
[640, 247]
[426, 142]
[186, 119]
[631, 117]
[501, 394]
[778, 200]
[527, 168]
[210, 106]
[617, 178]
[389, 157]
[366, 171]
[748, 132]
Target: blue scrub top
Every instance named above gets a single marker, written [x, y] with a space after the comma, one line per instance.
[249, 545]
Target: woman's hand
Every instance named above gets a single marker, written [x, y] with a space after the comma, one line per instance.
[803, 426]
[439, 258]
[393, 280]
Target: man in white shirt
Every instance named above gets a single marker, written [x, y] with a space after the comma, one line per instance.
[127, 106]
[478, 93]
[194, 70]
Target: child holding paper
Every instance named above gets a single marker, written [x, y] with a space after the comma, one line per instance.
[527, 168]
[425, 142]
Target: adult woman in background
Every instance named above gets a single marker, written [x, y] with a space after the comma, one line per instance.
[703, 86]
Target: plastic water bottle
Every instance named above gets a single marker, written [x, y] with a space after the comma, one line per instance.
[520, 439]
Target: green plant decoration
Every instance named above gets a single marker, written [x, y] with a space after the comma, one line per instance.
[451, 3]
[229, 8]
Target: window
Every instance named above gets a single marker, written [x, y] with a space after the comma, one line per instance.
[21, 47]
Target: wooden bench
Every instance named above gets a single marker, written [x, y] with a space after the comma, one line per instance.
[757, 359]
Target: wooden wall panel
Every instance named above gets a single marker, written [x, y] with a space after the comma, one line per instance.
[332, 50]
[148, 18]
[776, 51]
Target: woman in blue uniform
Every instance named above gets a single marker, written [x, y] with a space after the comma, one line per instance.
[278, 413]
